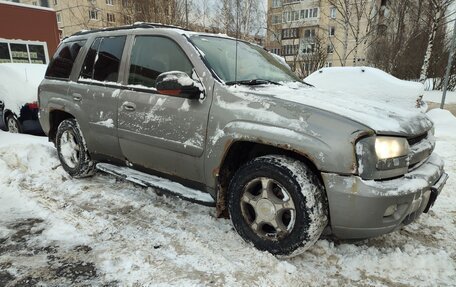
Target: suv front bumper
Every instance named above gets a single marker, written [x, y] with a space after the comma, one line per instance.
[367, 208]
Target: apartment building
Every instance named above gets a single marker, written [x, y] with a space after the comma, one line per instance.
[311, 34]
[77, 15]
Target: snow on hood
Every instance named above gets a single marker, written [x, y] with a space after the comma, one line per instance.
[383, 116]
[19, 84]
[367, 82]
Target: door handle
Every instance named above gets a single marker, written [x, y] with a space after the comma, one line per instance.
[77, 97]
[129, 106]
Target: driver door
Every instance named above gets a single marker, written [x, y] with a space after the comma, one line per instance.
[161, 132]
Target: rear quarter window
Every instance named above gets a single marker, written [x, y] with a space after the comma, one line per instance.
[63, 60]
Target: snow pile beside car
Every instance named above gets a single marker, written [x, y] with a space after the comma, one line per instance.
[369, 83]
[19, 84]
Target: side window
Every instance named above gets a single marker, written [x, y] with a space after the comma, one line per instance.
[19, 53]
[37, 55]
[63, 60]
[4, 53]
[102, 62]
[151, 56]
[87, 67]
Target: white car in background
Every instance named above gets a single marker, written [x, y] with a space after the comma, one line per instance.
[18, 97]
[370, 83]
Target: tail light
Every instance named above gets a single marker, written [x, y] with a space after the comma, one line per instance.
[33, 106]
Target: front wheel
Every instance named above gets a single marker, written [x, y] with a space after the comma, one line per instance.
[277, 203]
[72, 150]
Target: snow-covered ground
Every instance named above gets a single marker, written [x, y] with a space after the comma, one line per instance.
[436, 97]
[56, 230]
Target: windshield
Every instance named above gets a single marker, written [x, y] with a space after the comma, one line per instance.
[254, 63]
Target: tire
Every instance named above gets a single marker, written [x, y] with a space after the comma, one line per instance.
[278, 204]
[12, 124]
[72, 150]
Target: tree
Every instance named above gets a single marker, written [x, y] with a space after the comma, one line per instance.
[239, 17]
[357, 20]
[436, 12]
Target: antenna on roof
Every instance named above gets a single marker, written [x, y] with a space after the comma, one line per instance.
[237, 36]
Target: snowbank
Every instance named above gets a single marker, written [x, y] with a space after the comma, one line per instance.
[369, 83]
[19, 84]
[436, 97]
[443, 118]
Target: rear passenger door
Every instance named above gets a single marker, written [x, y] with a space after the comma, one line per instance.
[161, 132]
[97, 90]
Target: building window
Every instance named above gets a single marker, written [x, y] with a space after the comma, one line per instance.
[309, 13]
[290, 16]
[308, 48]
[290, 33]
[110, 17]
[330, 48]
[34, 3]
[332, 12]
[309, 33]
[110, 2]
[275, 51]
[290, 49]
[328, 64]
[332, 31]
[291, 1]
[55, 2]
[59, 18]
[93, 14]
[276, 19]
[276, 3]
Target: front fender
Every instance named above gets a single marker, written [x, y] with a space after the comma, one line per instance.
[218, 145]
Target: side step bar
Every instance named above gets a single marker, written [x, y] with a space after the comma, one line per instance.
[164, 185]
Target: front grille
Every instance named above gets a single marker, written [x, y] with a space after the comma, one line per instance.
[417, 139]
[421, 148]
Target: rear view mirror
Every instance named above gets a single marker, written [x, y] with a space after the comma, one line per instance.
[177, 84]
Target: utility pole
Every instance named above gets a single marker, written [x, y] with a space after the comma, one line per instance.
[448, 68]
[186, 14]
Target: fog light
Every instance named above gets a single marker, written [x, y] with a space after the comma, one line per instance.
[390, 210]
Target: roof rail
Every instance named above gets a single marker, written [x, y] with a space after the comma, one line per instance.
[128, 27]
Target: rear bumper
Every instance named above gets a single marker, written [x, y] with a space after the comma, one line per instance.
[366, 208]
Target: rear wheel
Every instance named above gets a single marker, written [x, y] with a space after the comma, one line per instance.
[277, 203]
[72, 150]
[12, 124]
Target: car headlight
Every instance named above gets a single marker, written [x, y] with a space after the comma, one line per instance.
[391, 147]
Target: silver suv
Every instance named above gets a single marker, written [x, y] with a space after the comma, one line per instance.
[284, 160]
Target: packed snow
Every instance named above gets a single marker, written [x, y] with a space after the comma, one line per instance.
[19, 84]
[56, 230]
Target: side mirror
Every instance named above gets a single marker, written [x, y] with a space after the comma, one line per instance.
[178, 84]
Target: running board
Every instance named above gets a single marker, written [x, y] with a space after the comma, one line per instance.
[164, 185]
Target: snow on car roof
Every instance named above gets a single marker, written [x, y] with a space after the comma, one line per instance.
[367, 82]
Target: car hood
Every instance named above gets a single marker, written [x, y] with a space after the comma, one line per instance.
[379, 115]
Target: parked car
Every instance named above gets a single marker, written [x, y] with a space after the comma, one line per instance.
[18, 97]
[370, 82]
[285, 161]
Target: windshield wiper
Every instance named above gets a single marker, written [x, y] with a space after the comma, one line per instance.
[253, 82]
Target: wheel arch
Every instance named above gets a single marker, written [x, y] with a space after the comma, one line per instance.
[239, 153]
[55, 118]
